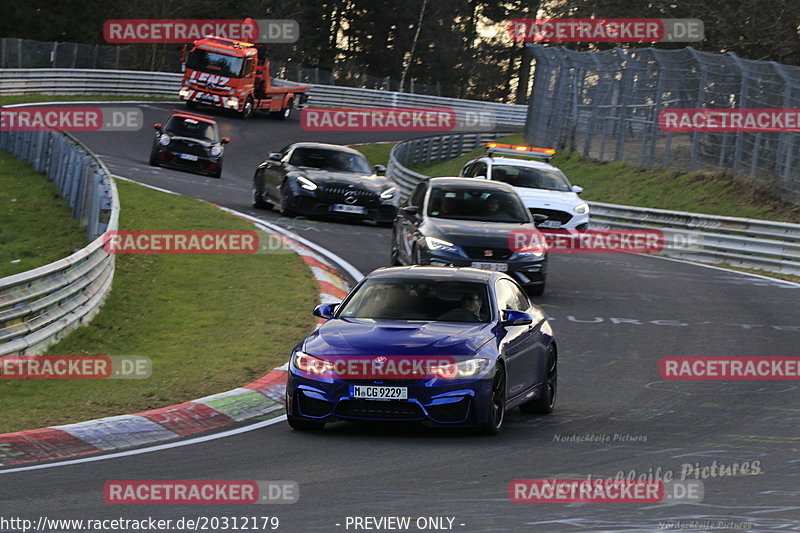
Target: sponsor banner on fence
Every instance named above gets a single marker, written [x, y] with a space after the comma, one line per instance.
[75, 367]
[730, 120]
[730, 368]
[141, 31]
[200, 492]
[50, 118]
[602, 30]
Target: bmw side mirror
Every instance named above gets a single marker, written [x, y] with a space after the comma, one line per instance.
[577, 189]
[380, 170]
[224, 140]
[325, 310]
[275, 156]
[515, 318]
[538, 218]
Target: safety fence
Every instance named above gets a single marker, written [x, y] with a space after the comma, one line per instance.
[99, 81]
[40, 306]
[607, 104]
[747, 243]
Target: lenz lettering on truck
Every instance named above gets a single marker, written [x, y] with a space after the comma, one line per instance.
[234, 75]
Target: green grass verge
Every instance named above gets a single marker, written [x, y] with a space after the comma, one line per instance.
[28, 239]
[37, 98]
[713, 193]
[209, 323]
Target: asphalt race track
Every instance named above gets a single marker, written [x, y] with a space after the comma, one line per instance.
[616, 316]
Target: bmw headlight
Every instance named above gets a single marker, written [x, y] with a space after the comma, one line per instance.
[215, 150]
[163, 140]
[440, 245]
[310, 364]
[462, 369]
[388, 193]
[581, 209]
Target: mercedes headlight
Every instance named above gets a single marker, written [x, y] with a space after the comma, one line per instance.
[306, 183]
[388, 193]
[463, 369]
[163, 140]
[440, 245]
[581, 209]
[215, 150]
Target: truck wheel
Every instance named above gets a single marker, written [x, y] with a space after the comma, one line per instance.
[284, 113]
[247, 111]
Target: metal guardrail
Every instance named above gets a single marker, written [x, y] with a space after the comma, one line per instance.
[743, 242]
[40, 306]
[87, 81]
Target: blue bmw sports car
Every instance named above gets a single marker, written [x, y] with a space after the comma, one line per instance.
[437, 344]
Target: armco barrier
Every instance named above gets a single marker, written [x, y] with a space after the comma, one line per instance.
[40, 306]
[88, 81]
[743, 242]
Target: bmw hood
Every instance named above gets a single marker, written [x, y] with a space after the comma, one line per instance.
[329, 178]
[339, 337]
[560, 200]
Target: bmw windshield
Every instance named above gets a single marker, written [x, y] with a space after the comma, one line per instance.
[419, 300]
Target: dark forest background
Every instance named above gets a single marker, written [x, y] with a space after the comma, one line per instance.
[453, 51]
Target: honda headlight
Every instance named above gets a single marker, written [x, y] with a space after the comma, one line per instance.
[388, 193]
[306, 183]
[440, 245]
[463, 369]
[581, 209]
[215, 150]
[163, 140]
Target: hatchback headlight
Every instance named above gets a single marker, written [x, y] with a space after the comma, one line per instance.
[215, 150]
[581, 209]
[440, 245]
[163, 140]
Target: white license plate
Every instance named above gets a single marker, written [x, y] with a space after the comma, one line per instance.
[371, 392]
[497, 267]
[188, 157]
[553, 224]
[355, 209]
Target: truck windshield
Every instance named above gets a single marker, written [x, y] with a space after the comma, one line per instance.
[214, 63]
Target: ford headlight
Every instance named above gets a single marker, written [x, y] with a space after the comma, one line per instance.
[163, 140]
[462, 369]
[306, 183]
[440, 245]
[581, 209]
[388, 193]
[215, 150]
